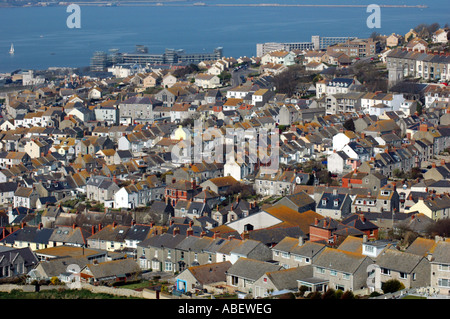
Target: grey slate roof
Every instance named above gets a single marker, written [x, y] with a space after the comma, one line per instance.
[246, 247]
[287, 278]
[251, 269]
[398, 261]
[114, 268]
[29, 234]
[167, 240]
[339, 260]
[441, 253]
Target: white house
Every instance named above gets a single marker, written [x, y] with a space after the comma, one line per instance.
[336, 162]
[169, 80]
[207, 81]
[278, 57]
[238, 170]
[440, 36]
[214, 70]
[390, 100]
[95, 93]
[126, 197]
[258, 220]
[339, 141]
[107, 114]
[238, 92]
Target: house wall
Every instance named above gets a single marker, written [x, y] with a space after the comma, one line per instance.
[439, 274]
[262, 287]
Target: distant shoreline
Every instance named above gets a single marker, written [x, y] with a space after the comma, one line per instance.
[197, 4]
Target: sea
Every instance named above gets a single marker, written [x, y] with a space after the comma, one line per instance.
[42, 38]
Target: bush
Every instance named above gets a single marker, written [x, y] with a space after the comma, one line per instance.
[314, 295]
[329, 294]
[339, 294]
[348, 295]
[375, 294]
[392, 285]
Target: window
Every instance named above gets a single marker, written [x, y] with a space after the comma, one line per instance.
[403, 275]
[168, 266]
[234, 280]
[443, 282]
[444, 267]
[340, 287]
[320, 270]
[346, 276]
[369, 249]
[385, 271]
[333, 273]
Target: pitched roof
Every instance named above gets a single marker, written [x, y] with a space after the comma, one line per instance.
[210, 273]
[251, 269]
[398, 261]
[340, 260]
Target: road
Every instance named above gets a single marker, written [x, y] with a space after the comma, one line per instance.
[236, 79]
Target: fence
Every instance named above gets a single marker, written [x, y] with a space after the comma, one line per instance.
[145, 293]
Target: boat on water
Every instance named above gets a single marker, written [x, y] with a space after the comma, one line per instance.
[11, 51]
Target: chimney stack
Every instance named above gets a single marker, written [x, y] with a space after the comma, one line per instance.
[176, 231]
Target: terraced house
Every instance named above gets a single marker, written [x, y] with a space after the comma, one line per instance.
[429, 66]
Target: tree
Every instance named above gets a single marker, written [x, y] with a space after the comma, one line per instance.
[182, 72]
[287, 81]
[441, 228]
[391, 286]
[224, 76]
[419, 108]
[349, 125]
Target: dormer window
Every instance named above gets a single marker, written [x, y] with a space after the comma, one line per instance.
[336, 203]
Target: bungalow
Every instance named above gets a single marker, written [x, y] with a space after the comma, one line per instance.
[111, 271]
[198, 278]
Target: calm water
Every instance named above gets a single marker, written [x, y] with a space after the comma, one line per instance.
[42, 39]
